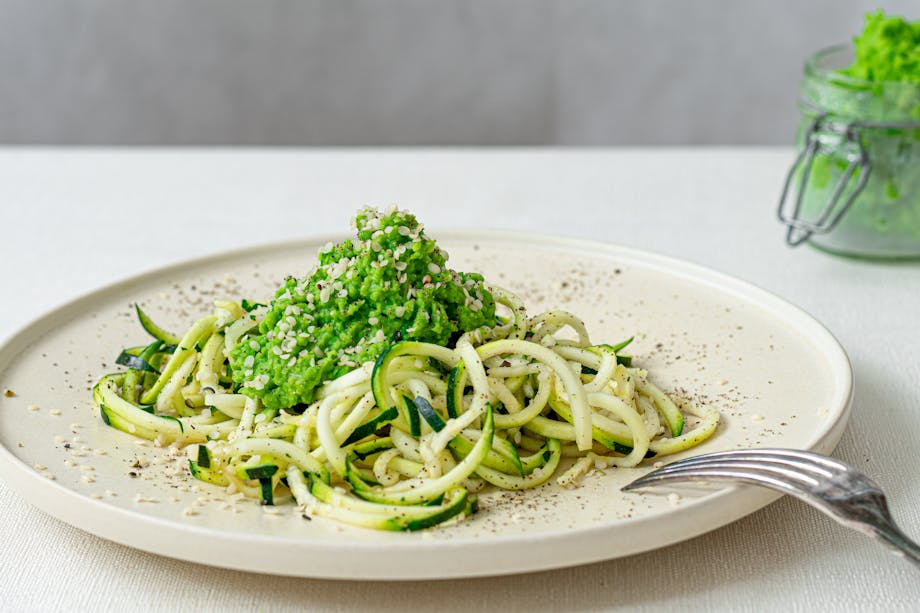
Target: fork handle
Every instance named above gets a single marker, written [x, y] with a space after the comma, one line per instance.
[891, 536]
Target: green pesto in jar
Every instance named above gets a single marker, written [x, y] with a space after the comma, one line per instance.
[873, 86]
[389, 282]
[887, 50]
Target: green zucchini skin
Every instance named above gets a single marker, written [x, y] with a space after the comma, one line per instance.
[537, 476]
[136, 362]
[368, 428]
[454, 503]
[208, 475]
[365, 450]
[204, 456]
[135, 376]
[153, 329]
[131, 418]
[428, 413]
[411, 414]
[456, 383]
[461, 447]
[266, 490]
[262, 471]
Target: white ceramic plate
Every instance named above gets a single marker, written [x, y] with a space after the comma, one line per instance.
[778, 376]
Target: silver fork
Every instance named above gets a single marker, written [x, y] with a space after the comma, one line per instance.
[832, 486]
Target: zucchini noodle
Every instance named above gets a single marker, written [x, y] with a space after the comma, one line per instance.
[404, 442]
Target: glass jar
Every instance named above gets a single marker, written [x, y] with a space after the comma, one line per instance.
[854, 188]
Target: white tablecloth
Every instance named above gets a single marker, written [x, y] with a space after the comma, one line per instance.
[74, 220]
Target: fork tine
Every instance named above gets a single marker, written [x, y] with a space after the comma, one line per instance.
[807, 457]
[719, 473]
[796, 463]
[786, 478]
[788, 471]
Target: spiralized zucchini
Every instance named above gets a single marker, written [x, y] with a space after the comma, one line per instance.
[405, 442]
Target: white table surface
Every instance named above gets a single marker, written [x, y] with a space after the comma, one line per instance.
[73, 220]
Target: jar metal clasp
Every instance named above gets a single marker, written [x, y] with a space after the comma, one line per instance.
[842, 139]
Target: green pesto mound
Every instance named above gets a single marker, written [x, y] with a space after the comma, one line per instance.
[390, 282]
[888, 50]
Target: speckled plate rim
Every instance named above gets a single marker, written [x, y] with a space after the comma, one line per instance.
[420, 559]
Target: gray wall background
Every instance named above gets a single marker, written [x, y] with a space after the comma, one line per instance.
[411, 72]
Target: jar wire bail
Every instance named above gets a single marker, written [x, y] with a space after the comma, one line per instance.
[799, 230]
[842, 136]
